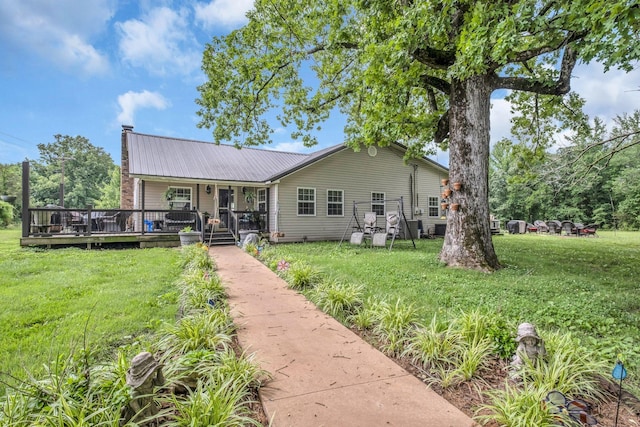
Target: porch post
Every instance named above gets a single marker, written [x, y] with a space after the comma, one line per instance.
[142, 188]
[26, 217]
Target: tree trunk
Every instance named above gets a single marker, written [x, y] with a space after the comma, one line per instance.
[467, 242]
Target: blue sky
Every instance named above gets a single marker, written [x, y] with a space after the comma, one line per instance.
[85, 67]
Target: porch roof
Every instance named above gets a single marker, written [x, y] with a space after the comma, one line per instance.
[151, 155]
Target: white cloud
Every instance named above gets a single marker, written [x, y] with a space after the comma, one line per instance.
[161, 42]
[58, 31]
[500, 119]
[132, 101]
[226, 13]
[607, 94]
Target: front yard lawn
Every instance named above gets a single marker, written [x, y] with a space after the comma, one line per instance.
[52, 300]
[588, 286]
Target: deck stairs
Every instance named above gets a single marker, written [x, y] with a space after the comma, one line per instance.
[219, 238]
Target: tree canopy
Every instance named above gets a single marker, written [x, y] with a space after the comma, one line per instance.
[86, 169]
[588, 180]
[419, 73]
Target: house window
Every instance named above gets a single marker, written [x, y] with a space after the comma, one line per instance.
[334, 203]
[306, 201]
[377, 203]
[262, 199]
[434, 206]
[180, 198]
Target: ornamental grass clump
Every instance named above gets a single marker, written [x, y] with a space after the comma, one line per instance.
[196, 257]
[339, 300]
[301, 276]
[215, 401]
[395, 324]
[366, 317]
[516, 406]
[210, 329]
[200, 290]
[434, 346]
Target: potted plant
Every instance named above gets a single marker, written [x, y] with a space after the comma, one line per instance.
[444, 205]
[457, 186]
[444, 181]
[188, 236]
[455, 206]
[168, 195]
[446, 193]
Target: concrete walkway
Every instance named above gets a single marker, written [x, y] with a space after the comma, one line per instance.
[323, 374]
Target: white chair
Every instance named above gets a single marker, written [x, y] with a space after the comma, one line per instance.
[370, 220]
[393, 226]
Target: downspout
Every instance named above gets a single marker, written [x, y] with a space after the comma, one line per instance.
[276, 213]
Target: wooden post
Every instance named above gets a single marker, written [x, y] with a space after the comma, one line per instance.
[26, 217]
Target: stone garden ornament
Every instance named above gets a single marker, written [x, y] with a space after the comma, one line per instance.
[144, 374]
[530, 345]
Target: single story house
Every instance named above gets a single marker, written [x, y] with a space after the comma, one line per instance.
[299, 197]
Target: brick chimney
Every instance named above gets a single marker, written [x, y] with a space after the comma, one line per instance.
[126, 182]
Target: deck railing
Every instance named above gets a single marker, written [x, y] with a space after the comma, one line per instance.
[49, 221]
[54, 221]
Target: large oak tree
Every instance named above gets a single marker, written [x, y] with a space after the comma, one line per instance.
[417, 72]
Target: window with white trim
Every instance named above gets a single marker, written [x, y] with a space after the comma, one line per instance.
[434, 206]
[306, 201]
[180, 198]
[335, 203]
[377, 203]
[262, 199]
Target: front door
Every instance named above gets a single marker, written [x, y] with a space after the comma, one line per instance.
[225, 204]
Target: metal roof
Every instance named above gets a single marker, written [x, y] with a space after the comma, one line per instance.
[161, 156]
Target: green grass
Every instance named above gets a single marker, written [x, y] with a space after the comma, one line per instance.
[588, 286]
[49, 298]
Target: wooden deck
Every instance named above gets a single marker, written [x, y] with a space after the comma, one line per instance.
[147, 240]
[120, 240]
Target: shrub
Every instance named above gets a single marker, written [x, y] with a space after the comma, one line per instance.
[6, 214]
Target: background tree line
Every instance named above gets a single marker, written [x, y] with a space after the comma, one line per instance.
[90, 177]
[591, 179]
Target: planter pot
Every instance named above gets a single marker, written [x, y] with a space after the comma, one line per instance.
[444, 205]
[8, 199]
[446, 192]
[457, 186]
[455, 206]
[444, 181]
[189, 237]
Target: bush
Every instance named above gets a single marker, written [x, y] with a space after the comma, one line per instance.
[6, 214]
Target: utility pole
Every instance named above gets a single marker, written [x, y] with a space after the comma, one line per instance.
[63, 159]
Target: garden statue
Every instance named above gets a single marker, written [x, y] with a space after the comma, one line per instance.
[144, 374]
[530, 345]
[251, 239]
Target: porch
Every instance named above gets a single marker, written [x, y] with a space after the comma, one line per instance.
[54, 226]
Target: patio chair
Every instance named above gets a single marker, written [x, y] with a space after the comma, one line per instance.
[589, 230]
[392, 230]
[370, 219]
[555, 227]
[110, 222]
[542, 227]
[569, 228]
[40, 221]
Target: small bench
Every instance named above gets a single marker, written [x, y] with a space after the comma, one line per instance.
[177, 220]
